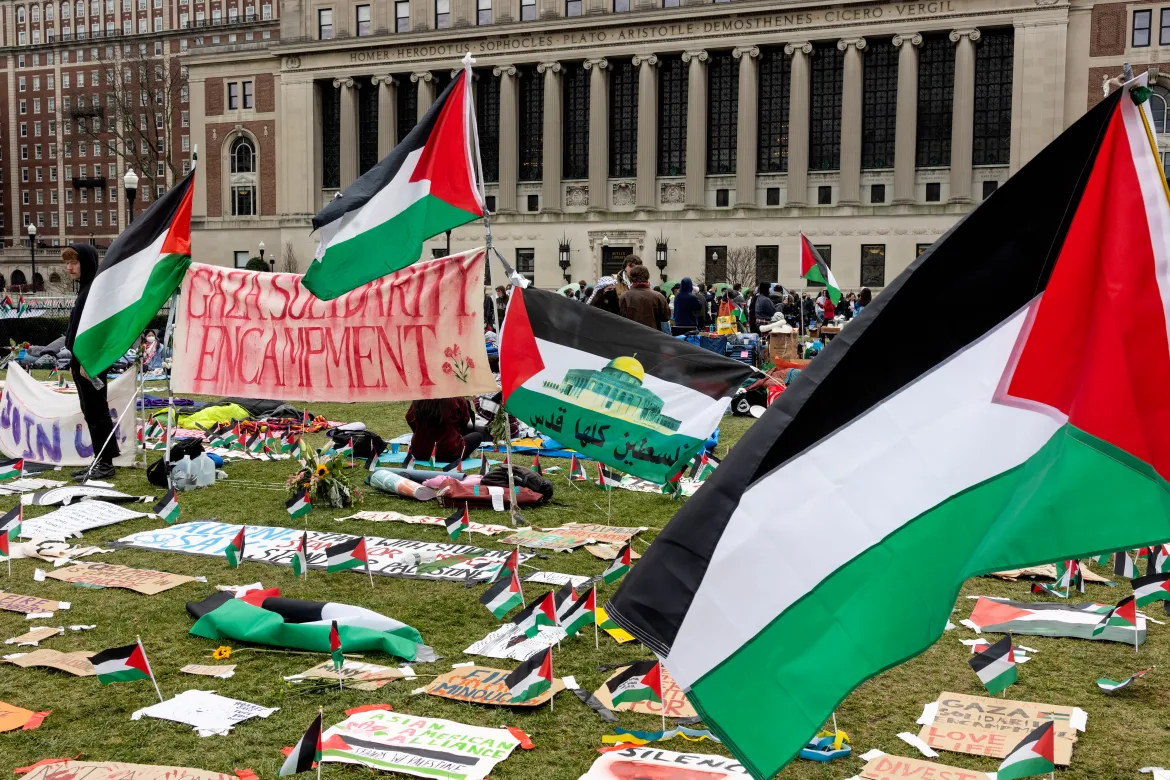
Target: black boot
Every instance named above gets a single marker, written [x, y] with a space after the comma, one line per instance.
[101, 470]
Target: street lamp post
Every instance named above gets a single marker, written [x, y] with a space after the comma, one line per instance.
[32, 253]
[271, 262]
[448, 243]
[130, 182]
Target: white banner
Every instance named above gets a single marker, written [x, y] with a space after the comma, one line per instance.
[43, 426]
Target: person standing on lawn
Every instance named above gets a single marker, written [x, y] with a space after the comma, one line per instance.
[81, 263]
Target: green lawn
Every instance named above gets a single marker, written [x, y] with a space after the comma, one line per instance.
[1126, 731]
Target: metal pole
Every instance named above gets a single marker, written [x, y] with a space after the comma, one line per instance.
[170, 333]
[32, 254]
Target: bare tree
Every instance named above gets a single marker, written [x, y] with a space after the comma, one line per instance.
[289, 263]
[741, 265]
[133, 115]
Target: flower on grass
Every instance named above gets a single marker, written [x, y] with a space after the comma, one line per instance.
[222, 652]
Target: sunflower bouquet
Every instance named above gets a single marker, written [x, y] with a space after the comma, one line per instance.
[328, 479]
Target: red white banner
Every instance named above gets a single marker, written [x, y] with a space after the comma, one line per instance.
[417, 333]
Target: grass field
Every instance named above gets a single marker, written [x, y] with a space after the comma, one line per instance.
[1125, 731]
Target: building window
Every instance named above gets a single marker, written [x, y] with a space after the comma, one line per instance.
[247, 95]
[1164, 24]
[483, 12]
[989, 187]
[672, 116]
[331, 136]
[576, 122]
[527, 10]
[623, 119]
[936, 92]
[487, 119]
[363, 21]
[920, 248]
[722, 198]
[993, 98]
[621, 6]
[573, 7]
[442, 14]
[531, 105]
[243, 168]
[873, 265]
[533, 203]
[772, 196]
[775, 79]
[233, 95]
[824, 147]
[526, 264]
[401, 16]
[933, 192]
[407, 99]
[489, 203]
[240, 258]
[767, 264]
[1141, 28]
[325, 24]
[877, 193]
[367, 125]
[879, 105]
[722, 113]
[825, 195]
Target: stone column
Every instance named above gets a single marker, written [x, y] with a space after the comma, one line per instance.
[963, 115]
[426, 91]
[748, 129]
[550, 188]
[851, 122]
[387, 113]
[349, 130]
[696, 180]
[509, 153]
[645, 187]
[906, 117]
[598, 134]
[798, 119]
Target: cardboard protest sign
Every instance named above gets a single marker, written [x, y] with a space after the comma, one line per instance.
[113, 770]
[71, 493]
[1045, 571]
[398, 517]
[607, 552]
[14, 602]
[35, 636]
[357, 674]
[277, 546]
[673, 697]
[413, 334]
[982, 726]
[413, 745]
[222, 671]
[649, 762]
[484, 685]
[508, 641]
[555, 578]
[571, 535]
[40, 425]
[72, 520]
[74, 663]
[13, 717]
[27, 485]
[898, 768]
[109, 575]
[206, 712]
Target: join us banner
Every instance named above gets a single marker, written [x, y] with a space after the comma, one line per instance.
[417, 333]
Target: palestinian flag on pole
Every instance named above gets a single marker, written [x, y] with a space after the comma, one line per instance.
[502, 597]
[536, 464]
[1068, 575]
[1034, 756]
[563, 600]
[605, 480]
[307, 752]
[998, 422]
[457, 522]
[582, 613]
[564, 366]
[21, 306]
[1123, 565]
[815, 270]
[996, 665]
[300, 504]
[6, 305]
[11, 468]
[425, 186]
[235, 550]
[300, 561]
[347, 555]
[121, 664]
[531, 678]
[297, 449]
[542, 612]
[621, 565]
[142, 268]
[1122, 616]
[1044, 587]
[641, 681]
[577, 471]
[168, 507]
[1151, 588]
[1112, 686]
[10, 530]
[335, 647]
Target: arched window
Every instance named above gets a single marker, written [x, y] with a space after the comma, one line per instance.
[48, 12]
[1160, 108]
[18, 278]
[65, 8]
[38, 282]
[36, 13]
[54, 278]
[20, 14]
[242, 157]
[81, 8]
[2, 283]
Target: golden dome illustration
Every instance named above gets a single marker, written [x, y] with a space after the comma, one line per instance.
[629, 366]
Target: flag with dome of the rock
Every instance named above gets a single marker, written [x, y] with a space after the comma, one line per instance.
[615, 391]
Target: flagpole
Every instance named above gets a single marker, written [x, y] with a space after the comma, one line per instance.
[368, 570]
[150, 669]
[553, 695]
[596, 631]
[519, 581]
[321, 715]
[167, 338]
[97, 453]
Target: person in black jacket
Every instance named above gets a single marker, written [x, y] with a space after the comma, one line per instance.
[81, 263]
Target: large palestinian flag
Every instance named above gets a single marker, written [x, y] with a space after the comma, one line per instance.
[1044, 618]
[142, 268]
[616, 391]
[996, 442]
[425, 186]
[264, 618]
